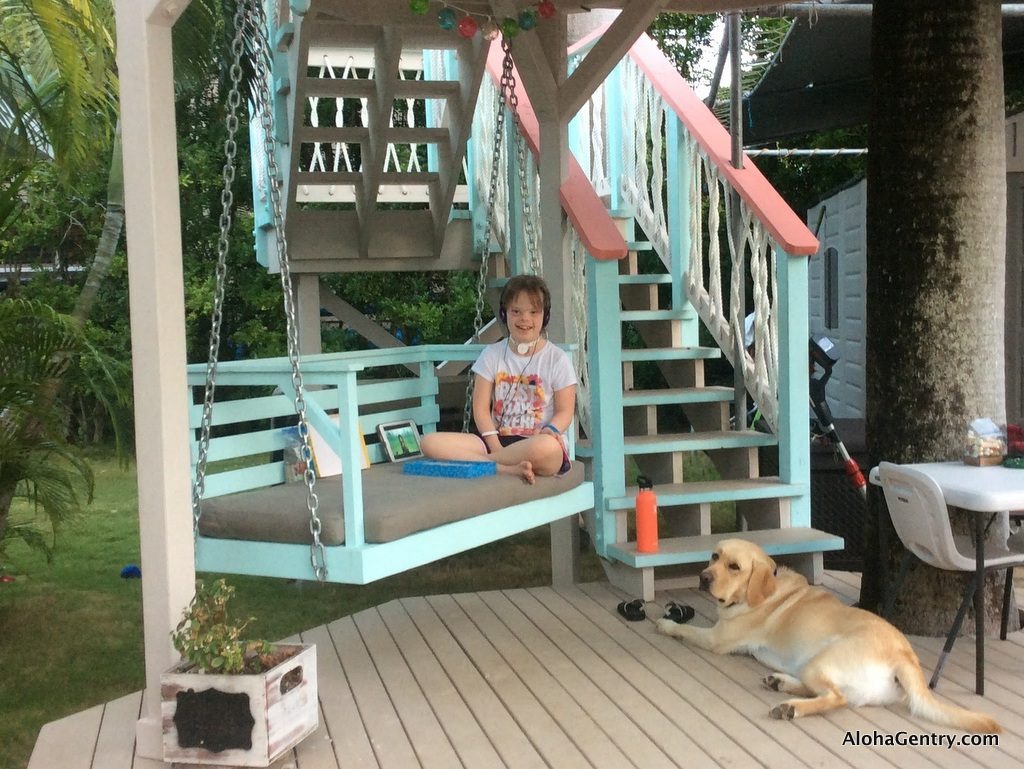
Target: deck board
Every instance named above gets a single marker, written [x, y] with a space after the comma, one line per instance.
[507, 738]
[554, 692]
[680, 727]
[541, 728]
[69, 743]
[460, 725]
[387, 733]
[635, 723]
[344, 726]
[545, 677]
[117, 732]
[425, 732]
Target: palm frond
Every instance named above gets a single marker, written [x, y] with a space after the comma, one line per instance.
[64, 49]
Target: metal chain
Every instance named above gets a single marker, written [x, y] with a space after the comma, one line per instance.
[492, 196]
[223, 245]
[257, 22]
[509, 81]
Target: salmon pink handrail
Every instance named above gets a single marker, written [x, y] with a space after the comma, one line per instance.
[776, 216]
[580, 202]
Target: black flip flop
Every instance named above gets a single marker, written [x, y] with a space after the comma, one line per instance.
[679, 612]
[632, 610]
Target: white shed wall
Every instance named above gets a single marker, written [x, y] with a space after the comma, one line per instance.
[842, 228]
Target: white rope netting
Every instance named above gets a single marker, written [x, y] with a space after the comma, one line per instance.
[579, 316]
[714, 223]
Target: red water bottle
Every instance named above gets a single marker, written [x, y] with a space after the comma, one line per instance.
[646, 516]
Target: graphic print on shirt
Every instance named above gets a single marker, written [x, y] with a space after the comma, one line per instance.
[519, 403]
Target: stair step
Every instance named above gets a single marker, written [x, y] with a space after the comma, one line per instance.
[679, 550]
[645, 280]
[671, 396]
[647, 315]
[357, 135]
[337, 87]
[696, 492]
[672, 442]
[356, 177]
[671, 353]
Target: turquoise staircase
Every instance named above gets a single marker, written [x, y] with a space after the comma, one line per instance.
[408, 194]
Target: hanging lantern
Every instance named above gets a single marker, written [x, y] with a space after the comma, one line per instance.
[528, 19]
[509, 27]
[446, 18]
[468, 26]
[546, 9]
[419, 7]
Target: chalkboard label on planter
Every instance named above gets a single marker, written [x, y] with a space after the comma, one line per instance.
[213, 720]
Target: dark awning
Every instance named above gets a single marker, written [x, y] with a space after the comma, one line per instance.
[821, 77]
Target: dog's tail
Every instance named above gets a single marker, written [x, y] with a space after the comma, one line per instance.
[926, 705]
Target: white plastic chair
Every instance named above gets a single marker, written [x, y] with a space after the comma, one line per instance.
[921, 519]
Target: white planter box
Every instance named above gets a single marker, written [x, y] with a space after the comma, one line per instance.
[239, 720]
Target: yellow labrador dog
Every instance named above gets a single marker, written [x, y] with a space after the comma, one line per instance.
[827, 654]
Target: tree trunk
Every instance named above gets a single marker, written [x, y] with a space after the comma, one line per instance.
[113, 224]
[936, 224]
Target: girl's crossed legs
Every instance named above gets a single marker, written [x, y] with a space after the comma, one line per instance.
[539, 454]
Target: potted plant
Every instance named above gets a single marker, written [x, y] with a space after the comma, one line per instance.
[231, 701]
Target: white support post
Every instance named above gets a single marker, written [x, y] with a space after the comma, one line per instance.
[156, 291]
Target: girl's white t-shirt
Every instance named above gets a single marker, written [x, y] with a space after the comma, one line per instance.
[524, 385]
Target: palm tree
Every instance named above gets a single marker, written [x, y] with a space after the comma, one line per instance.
[58, 105]
[39, 345]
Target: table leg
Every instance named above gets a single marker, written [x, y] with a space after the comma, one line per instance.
[979, 604]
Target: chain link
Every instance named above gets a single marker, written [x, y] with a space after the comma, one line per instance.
[492, 196]
[509, 81]
[263, 54]
[223, 246]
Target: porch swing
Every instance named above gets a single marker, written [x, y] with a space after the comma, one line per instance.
[359, 525]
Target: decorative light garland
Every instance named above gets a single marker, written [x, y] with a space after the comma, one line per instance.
[468, 26]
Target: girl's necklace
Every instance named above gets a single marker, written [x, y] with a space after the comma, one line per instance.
[519, 378]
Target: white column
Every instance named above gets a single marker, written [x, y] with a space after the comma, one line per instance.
[156, 294]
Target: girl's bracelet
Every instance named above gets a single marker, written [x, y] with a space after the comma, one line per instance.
[488, 433]
[551, 427]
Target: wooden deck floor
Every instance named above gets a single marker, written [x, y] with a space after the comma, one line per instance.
[555, 678]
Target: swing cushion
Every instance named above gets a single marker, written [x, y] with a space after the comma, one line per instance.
[394, 505]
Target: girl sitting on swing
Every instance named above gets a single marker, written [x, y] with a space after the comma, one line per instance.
[524, 393]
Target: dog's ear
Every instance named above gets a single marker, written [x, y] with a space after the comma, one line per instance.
[762, 582]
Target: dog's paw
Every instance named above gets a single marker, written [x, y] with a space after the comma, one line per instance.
[666, 626]
[783, 711]
[772, 682]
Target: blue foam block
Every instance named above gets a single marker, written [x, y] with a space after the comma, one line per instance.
[449, 468]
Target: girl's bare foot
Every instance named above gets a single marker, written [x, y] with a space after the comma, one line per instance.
[524, 470]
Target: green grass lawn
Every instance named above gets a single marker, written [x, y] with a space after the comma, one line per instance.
[71, 630]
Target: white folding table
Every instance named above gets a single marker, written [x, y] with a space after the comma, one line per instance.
[983, 491]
